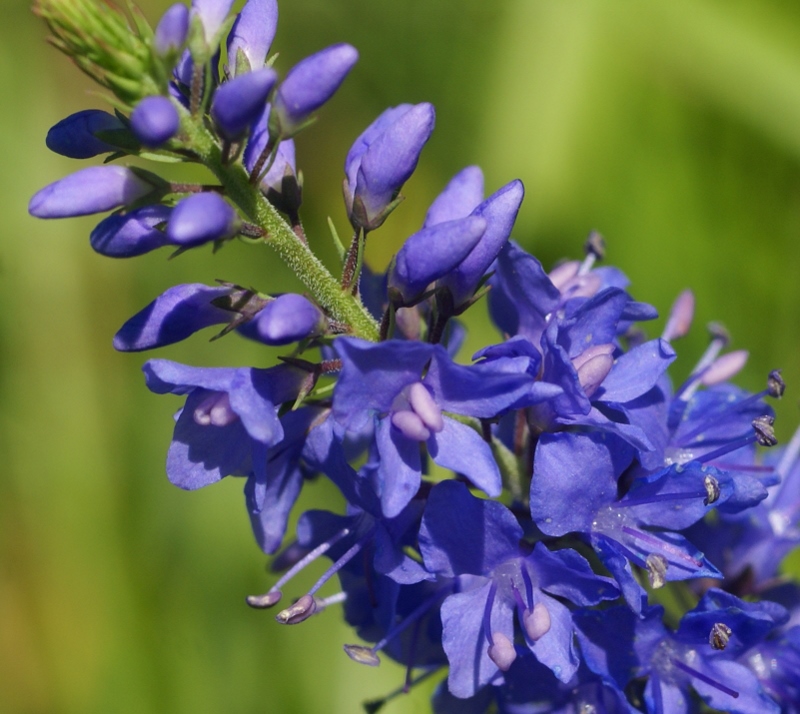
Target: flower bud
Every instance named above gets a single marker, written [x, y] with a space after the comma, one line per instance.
[460, 197]
[130, 234]
[286, 319]
[212, 14]
[75, 136]
[93, 190]
[499, 211]
[239, 102]
[309, 84]
[433, 252]
[200, 218]
[171, 317]
[252, 34]
[382, 159]
[280, 182]
[172, 30]
[155, 121]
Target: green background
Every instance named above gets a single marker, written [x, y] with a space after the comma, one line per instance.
[671, 126]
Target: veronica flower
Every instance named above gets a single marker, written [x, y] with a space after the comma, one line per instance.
[465, 536]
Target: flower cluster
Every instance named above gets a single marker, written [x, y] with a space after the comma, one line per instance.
[516, 520]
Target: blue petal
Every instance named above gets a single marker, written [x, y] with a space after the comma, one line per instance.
[636, 372]
[399, 469]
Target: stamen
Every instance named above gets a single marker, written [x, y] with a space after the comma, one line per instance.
[487, 612]
[775, 384]
[376, 705]
[425, 407]
[362, 655]
[593, 372]
[719, 338]
[657, 570]
[595, 248]
[675, 552]
[680, 317]
[564, 273]
[765, 433]
[410, 425]
[368, 655]
[273, 595]
[712, 490]
[300, 611]
[775, 388]
[215, 410]
[502, 651]
[536, 622]
[593, 351]
[719, 636]
[703, 678]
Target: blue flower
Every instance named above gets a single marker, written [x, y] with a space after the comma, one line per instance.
[465, 536]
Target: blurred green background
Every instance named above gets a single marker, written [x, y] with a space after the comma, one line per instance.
[672, 126]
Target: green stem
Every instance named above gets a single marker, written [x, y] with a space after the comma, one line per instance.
[325, 289]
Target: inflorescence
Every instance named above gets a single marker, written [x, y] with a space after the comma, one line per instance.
[571, 483]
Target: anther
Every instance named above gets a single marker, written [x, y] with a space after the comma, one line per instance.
[595, 245]
[536, 621]
[719, 333]
[765, 434]
[267, 600]
[362, 655]
[215, 410]
[712, 490]
[502, 651]
[304, 608]
[595, 249]
[775, 384]
[657, 570]
[592, 373]
[719, 636]
[425, 407]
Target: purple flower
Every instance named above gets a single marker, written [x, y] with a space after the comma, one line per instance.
[576, 488]
[155, 121]
[76, 135]
[382, 159]
[383, 384]
[308, 85]
[675, 661]
[125, 235]
[239, 102]
[93, 190]
[252, 34]
[228, 413]
[200, 218]
[465, 536]
[172, 30]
